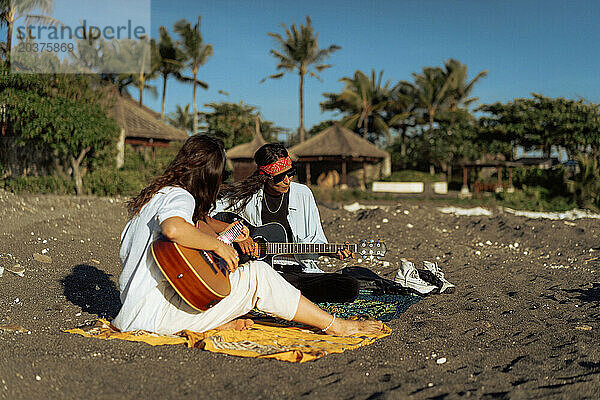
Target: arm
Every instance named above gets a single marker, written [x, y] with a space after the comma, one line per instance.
[216, 225]
[178, 230]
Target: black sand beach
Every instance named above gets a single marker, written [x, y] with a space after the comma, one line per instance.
[523, 322]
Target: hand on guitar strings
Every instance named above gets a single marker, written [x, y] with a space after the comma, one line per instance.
[227, 253]
[345, 253]
[248, 247]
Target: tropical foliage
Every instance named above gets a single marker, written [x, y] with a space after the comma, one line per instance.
[169, 61]
[299, 52]
[62, 117]
[542, 122]
[182, 118]
[235, 123]
[11, 11]
[364, 101]
[195, 53]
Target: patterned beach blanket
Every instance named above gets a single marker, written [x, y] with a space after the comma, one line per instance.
[262, 340]
[382, 307]
[271, 337]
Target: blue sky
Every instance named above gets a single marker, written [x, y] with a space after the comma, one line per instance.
[549, 47]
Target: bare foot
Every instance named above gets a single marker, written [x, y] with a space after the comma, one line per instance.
[239, 324]
[346, 327]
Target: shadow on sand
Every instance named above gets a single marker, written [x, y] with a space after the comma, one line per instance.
[91, 289]
[591, 295]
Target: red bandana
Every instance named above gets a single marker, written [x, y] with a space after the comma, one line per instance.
[276, 167]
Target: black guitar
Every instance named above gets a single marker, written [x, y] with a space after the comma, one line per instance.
[271, 241]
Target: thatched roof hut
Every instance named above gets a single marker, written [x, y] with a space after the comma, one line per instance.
[338, 148]
[241, 157]
[141, 126]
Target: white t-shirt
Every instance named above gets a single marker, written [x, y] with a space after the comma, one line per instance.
[142, 284]
[149, 301]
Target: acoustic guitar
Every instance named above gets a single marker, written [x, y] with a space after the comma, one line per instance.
[200, 277]
[271, 241]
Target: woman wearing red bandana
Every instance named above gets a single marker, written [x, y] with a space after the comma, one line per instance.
[270, 195]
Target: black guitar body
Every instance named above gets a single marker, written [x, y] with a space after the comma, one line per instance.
[268, 233]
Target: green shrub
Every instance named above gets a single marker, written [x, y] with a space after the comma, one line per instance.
[586, 186]
[39, 184]
[535, 199]
[112, 182]
[554, 180]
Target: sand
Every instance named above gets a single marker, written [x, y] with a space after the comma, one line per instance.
[523, 322]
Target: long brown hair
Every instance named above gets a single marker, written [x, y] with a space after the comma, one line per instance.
[239, 194]
[198, 168]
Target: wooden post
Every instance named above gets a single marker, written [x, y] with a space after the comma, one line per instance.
[344, 182]
[465, 186]
[499, 187]
[120, 158]
[307, 168]
[364, 176]
[510, 188]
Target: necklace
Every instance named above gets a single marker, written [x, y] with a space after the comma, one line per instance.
[267, 204]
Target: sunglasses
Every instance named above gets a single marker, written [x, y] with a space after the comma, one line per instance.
[280, 177]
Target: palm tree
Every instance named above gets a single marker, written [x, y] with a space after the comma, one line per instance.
[460, 88]
[196, 53]
[182, 118]
[13, 10]
[364, 100]
[170, 61]
[146, 64]
[433, 93]
[298, 51]
[401, 113]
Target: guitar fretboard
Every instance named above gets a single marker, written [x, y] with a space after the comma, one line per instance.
[308, 248]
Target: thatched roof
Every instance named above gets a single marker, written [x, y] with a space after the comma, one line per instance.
[142, 122]
[246, 150]
[337, 141]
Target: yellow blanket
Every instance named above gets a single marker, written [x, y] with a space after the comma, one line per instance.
[262, 340]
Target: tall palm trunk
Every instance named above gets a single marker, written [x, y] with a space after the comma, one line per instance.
[195, 120]
[141, 89]
[162, 109]
[430, 133]
[403, 145]
[302, 106]
[10, 22]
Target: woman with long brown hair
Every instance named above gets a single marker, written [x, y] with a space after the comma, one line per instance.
[176, 204]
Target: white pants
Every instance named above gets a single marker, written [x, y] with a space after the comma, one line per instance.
[254, 284]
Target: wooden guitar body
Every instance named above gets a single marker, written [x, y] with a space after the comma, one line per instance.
[194, 274]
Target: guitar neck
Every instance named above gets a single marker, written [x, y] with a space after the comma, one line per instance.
[308, 248]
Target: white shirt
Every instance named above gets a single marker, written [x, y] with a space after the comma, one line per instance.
[141, 281]
[303, 216]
